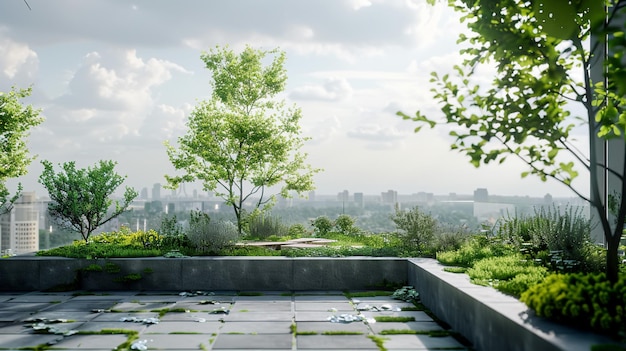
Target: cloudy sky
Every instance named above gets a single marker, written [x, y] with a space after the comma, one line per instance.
[115, 79]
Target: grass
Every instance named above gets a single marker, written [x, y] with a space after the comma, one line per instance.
[431, 333]
[379, 341]
[373, 293]
[341, 332]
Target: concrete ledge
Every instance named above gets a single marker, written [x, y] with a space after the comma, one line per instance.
[489, 319]
[27, 273]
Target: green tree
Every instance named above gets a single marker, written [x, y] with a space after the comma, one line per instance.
[244, 140]
[345, 224]
[543, 74]
[417, 229]
[16, 120]
[80, 198]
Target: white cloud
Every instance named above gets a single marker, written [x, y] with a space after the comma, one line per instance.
[333, 89]
[18, 63]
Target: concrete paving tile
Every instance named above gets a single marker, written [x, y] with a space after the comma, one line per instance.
[80, 305]
[262, 306]
[99, 326]
[177, 341]
[192, 317]
[88, 342]
[253, 342]
[321, 327]
[19, 341]
[197, 306]
[15, 328]
[420, 342]
[417, 326]
[337, 342]
[118, 298]
[324, 306]
[141, 307]
[420, 316]
[24, 306]
[116, 317]
[321, 293]
[258, 316]
[267, 296]
[6, 316]
[164, 327]
[218, 298]
[41, 298]
[153, 298]
[77, 316]
[256, 327]
[313, 316]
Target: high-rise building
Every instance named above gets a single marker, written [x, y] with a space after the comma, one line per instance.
[343, 196]
[481, 195]
[156, 191]
[144, 194]
[358, 199]
[19, 228]
[389, 197]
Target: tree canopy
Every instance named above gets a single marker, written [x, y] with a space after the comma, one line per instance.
[16, 120]
[244, 141]
[543, 65]
[81, 198]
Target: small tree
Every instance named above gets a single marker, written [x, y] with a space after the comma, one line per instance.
[543, 67]
[322, 225]
[243, 140]
[15, 122]
[417, 229]
[81, 197]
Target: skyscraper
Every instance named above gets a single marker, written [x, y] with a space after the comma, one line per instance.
[19, 228]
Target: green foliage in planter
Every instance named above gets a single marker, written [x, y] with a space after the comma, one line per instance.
[510, 274]
[406, 293]
[586, 300]
[342, 251]
[262, 226]
[112, 268]
[93, 268]
[477, 248]
[132, 277]
[552, 230]
[322, 226]
[249, 251]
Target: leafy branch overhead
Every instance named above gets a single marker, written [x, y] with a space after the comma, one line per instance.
[545, 89]
[244, 140]
[81, 198]
[16, 120]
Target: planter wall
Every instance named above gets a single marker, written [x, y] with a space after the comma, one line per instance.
[200, 273]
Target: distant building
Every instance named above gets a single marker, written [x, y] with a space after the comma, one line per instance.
[156, 191]
[343, 196]
[389, 197]
[359, 199]
[481, 195]
[547, 199]
[144, 194]
[19, 228]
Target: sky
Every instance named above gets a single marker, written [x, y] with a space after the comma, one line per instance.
[115, 79]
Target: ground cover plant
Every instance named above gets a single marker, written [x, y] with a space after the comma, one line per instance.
[547, 261]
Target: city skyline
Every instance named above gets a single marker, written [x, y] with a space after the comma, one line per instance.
[118, 92]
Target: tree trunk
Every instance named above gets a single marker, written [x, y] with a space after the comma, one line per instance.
[612, 257]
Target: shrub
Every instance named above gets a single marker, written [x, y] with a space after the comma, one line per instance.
[169, 226]
[262, 227]
[510, 274]
[210, 237]
[450, 239]
[345, 225]
[586, 300]
[565, 234]
[416, 228]
[322, 225]
[297, 231]
[475, 249]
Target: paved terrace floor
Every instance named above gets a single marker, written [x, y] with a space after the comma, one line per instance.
[207, 321]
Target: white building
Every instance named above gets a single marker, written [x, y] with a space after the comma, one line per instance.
[19, 229]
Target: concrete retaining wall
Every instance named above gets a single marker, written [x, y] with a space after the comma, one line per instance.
[492, 321]
[200, 273]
